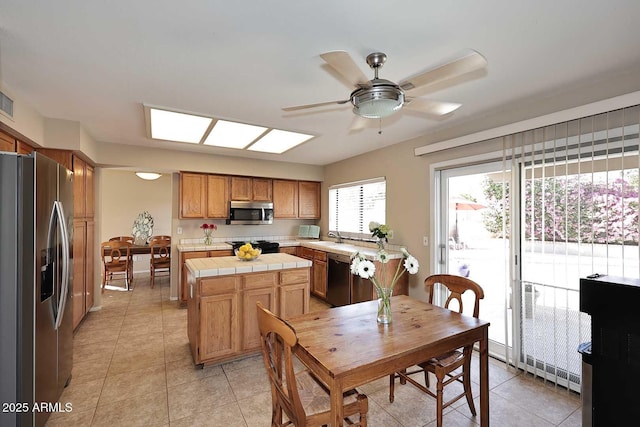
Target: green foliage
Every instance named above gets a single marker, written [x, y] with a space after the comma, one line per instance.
[569, 209]
[496, 216]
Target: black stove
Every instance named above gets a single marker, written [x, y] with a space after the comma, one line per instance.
[266, 246]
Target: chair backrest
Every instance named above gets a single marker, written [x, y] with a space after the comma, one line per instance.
[457, 285]
[122, 239]
[277, 339]
[160, 249]
[120, 252]
[160, 237]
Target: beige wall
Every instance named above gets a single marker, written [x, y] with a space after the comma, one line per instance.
[161, 160]
[124, 196]
[409, 188]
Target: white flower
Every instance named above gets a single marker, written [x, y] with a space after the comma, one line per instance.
[411, 264]
[366, 269]
[382, 256]
[356, 259]
[354, 265]
[373, 225]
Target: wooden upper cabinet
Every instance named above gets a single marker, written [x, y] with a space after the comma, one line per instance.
[89, 192]
[262, 189]
[23, 147]
[79, 188]
[285, 198]
[64, 157]
[193, 194]
[308, 199]
[217, 196]
[7, 142]
[241, 188]
[251, 189]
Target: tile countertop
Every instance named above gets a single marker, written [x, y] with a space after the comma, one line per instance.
[222, 266]
[349, 249]
[323, 245]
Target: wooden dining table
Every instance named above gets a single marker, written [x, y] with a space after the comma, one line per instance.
[346, 347]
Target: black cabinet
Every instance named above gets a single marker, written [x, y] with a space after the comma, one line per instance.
[614, 306]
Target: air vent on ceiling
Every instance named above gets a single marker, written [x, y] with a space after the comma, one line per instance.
[6, 105]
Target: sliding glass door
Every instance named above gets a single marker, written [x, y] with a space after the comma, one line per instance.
[473, 242]
[562, 204]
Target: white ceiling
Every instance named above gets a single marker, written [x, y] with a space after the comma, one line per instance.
[97, 62]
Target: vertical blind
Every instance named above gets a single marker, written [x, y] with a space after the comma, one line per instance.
[353, 205]
[578, 214]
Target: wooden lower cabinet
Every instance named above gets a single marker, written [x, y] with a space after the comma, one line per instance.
[183, 272]
[294, 300]
[250, 331]
[222, 318]
[218, 326]
[319, 270]
[291, 250]
[182, 292]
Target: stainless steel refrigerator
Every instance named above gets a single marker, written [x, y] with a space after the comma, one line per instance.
[36, 331]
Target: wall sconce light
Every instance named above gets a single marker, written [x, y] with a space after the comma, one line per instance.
[149, 176]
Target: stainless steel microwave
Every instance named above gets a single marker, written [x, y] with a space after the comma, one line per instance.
[241, 212]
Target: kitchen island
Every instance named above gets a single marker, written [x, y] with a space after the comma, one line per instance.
[221, 301]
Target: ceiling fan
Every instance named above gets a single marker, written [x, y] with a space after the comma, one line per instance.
[378, 98]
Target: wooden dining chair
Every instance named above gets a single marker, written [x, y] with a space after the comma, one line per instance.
[303, 399]
[446, 366]
[116, 259]
[160, 260]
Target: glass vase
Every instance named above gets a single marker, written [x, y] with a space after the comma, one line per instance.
[384, 305]
[380, 243]
[207, 239]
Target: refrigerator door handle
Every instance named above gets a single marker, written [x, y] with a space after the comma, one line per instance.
[62, 222]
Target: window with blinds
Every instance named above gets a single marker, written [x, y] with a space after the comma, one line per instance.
[352, 206]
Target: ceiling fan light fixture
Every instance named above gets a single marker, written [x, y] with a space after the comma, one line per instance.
[377, 101]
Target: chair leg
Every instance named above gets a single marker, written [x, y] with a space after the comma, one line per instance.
[392, 383]
[466, 381]
[440, 403]
[152, 277]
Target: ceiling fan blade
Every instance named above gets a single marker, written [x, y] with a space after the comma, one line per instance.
[430, 107]
[471, 62]
[320, 104]
[358, 123]
[342, 62]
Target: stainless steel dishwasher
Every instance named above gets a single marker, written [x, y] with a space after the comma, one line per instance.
[339, 279]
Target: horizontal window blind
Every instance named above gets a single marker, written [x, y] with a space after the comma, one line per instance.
[353, 205]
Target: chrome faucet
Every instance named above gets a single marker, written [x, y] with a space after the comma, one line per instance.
[336, 235]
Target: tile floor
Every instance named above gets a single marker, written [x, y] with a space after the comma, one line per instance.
[132, 367]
